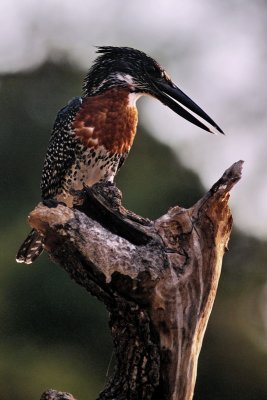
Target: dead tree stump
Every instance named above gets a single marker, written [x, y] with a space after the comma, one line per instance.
[158, 280]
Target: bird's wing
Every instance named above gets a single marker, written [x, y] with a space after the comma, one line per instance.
[60, 153]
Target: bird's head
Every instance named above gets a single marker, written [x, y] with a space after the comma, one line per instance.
[141, 74]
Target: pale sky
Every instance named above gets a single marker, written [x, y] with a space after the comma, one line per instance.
[215, 52]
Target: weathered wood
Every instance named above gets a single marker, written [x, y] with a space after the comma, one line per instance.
[158, 280]
[55, 395]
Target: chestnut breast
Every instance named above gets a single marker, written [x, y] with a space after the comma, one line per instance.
[107, 120]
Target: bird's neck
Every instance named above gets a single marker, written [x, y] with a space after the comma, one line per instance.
[109, 120]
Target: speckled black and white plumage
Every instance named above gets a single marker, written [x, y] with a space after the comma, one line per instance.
[59, 156]
[61, 150]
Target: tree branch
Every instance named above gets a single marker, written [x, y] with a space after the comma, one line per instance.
[158, 280]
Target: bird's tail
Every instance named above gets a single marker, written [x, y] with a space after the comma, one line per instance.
[31, 248]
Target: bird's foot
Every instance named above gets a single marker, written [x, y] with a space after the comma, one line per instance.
[52, 203]
[78, 196]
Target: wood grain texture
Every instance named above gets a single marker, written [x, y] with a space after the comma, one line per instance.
[158, 280]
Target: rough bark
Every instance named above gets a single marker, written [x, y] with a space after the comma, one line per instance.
[158, 280]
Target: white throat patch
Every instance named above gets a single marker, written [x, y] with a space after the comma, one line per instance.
[133, 97]
[125, 78]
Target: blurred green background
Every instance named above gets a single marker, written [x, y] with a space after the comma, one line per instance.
[52, 333]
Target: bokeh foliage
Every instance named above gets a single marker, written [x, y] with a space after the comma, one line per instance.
[52, 333]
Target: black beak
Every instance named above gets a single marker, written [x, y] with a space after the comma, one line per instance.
[170, 95]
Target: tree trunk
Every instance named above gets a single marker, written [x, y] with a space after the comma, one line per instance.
[158, 280]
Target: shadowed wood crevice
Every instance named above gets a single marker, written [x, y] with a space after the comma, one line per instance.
[102, 203]
[158, 280]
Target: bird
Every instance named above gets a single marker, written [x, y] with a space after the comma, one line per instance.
[93, 134]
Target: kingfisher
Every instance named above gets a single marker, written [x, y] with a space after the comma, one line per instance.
[93, 134]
